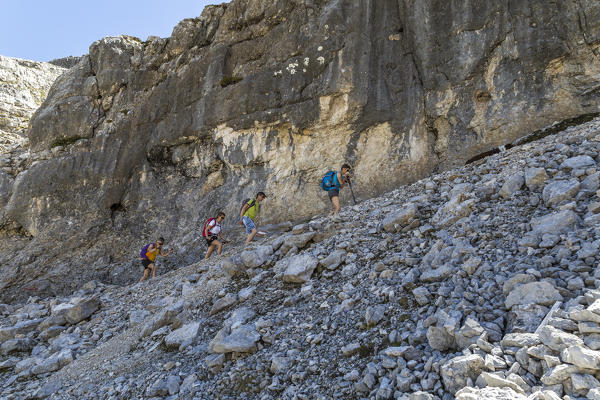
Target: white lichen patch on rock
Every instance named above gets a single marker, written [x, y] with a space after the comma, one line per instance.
[291, 68]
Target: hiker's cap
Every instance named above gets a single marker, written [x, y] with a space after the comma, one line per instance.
[261, 194]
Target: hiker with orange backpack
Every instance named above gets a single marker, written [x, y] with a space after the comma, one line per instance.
[148, 255]
[212, 233]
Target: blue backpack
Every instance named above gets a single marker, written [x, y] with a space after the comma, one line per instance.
[330, 181]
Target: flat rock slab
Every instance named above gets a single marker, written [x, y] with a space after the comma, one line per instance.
[300, 268]
[82, 310]
[520, 340]
[555, 223]
[456, 371]
[558, 340]
[257, 257]
[182, 336]
[558, 191]
[399, 219]
[581, 357]
[592, 313]
[373, 315]
[439, 338]
[240, 340]
[233, 266]
[513, 184]
[422, 295]
[535, 177]
[488, 393]
[298, 241]
[487, 379]
[22, 327]
[543, 293]
[525, 317]
[438, 274]
[164, 317]
[578, 162]
[224, 302]
[350, 349]
[333, 260]
[559, 374]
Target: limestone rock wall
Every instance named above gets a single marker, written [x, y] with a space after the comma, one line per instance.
[268, 95]
[23, 87]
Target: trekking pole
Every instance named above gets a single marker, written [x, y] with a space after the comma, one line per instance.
[352, 191]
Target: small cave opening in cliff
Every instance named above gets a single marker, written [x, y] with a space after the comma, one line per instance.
[117, 213]
[537, 135]
[117, 207]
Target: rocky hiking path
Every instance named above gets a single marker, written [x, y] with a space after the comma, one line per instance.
[117, 354]
[441, 289]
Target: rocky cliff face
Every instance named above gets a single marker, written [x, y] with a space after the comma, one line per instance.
[147, 137]
[24, 86]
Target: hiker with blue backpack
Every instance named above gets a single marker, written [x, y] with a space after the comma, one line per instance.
[248, 214]
[148, 255]
[212, 233]
[333, 182]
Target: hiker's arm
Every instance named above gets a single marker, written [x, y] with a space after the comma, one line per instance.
[244, 208]
[341, 179]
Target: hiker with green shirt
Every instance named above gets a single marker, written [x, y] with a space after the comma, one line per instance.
[248, 215]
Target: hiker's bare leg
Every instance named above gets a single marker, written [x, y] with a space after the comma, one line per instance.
[153, 266]
[250, 236]
[146, 273]
[335, 200]
[219, 246]
[210, 250]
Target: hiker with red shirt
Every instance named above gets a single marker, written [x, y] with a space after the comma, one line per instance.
[148, 255]
[212, 233]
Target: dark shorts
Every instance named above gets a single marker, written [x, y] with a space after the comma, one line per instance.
[146, 263]
[210, 239]
[333, 193]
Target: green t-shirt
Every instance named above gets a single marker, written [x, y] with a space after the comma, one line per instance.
[251, 212]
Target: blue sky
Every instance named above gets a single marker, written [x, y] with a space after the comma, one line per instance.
[43, 30]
